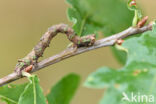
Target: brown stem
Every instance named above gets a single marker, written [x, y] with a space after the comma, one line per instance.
[108, 41]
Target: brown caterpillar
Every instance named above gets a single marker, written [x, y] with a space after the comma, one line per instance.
[32, 58]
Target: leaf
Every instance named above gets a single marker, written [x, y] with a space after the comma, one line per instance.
[107, 16]
[103, 15]
[11, 93]
[137, 76]
[120, 55]
[64, 90]
[33, 93]
[80, 18]
[111, 100]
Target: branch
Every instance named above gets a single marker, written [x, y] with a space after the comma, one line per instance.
[69, 52]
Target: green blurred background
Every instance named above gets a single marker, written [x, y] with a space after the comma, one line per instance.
[22, 23]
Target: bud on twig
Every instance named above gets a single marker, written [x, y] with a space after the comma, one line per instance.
[142, 22]
[120, 41]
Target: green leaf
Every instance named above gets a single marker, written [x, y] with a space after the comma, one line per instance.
[111, 100]
[107, 16]
[80, 18]
[99, 15]
[64, 90]
[11, 93]
[137, 76]
[33, 93]
[120, 55]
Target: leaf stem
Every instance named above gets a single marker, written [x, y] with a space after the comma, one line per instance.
[83, 24]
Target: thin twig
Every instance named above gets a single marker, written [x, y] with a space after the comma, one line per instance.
[108, 41]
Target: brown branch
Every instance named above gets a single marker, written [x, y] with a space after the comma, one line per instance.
[108, 41]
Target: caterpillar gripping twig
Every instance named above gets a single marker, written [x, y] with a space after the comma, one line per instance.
[38, 50]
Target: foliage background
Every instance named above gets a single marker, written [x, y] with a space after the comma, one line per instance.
[22, 23]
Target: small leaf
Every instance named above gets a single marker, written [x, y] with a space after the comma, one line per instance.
[33, 93]
[11, 93]
[64, 90]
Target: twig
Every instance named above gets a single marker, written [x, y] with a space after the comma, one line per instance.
[108, 41]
